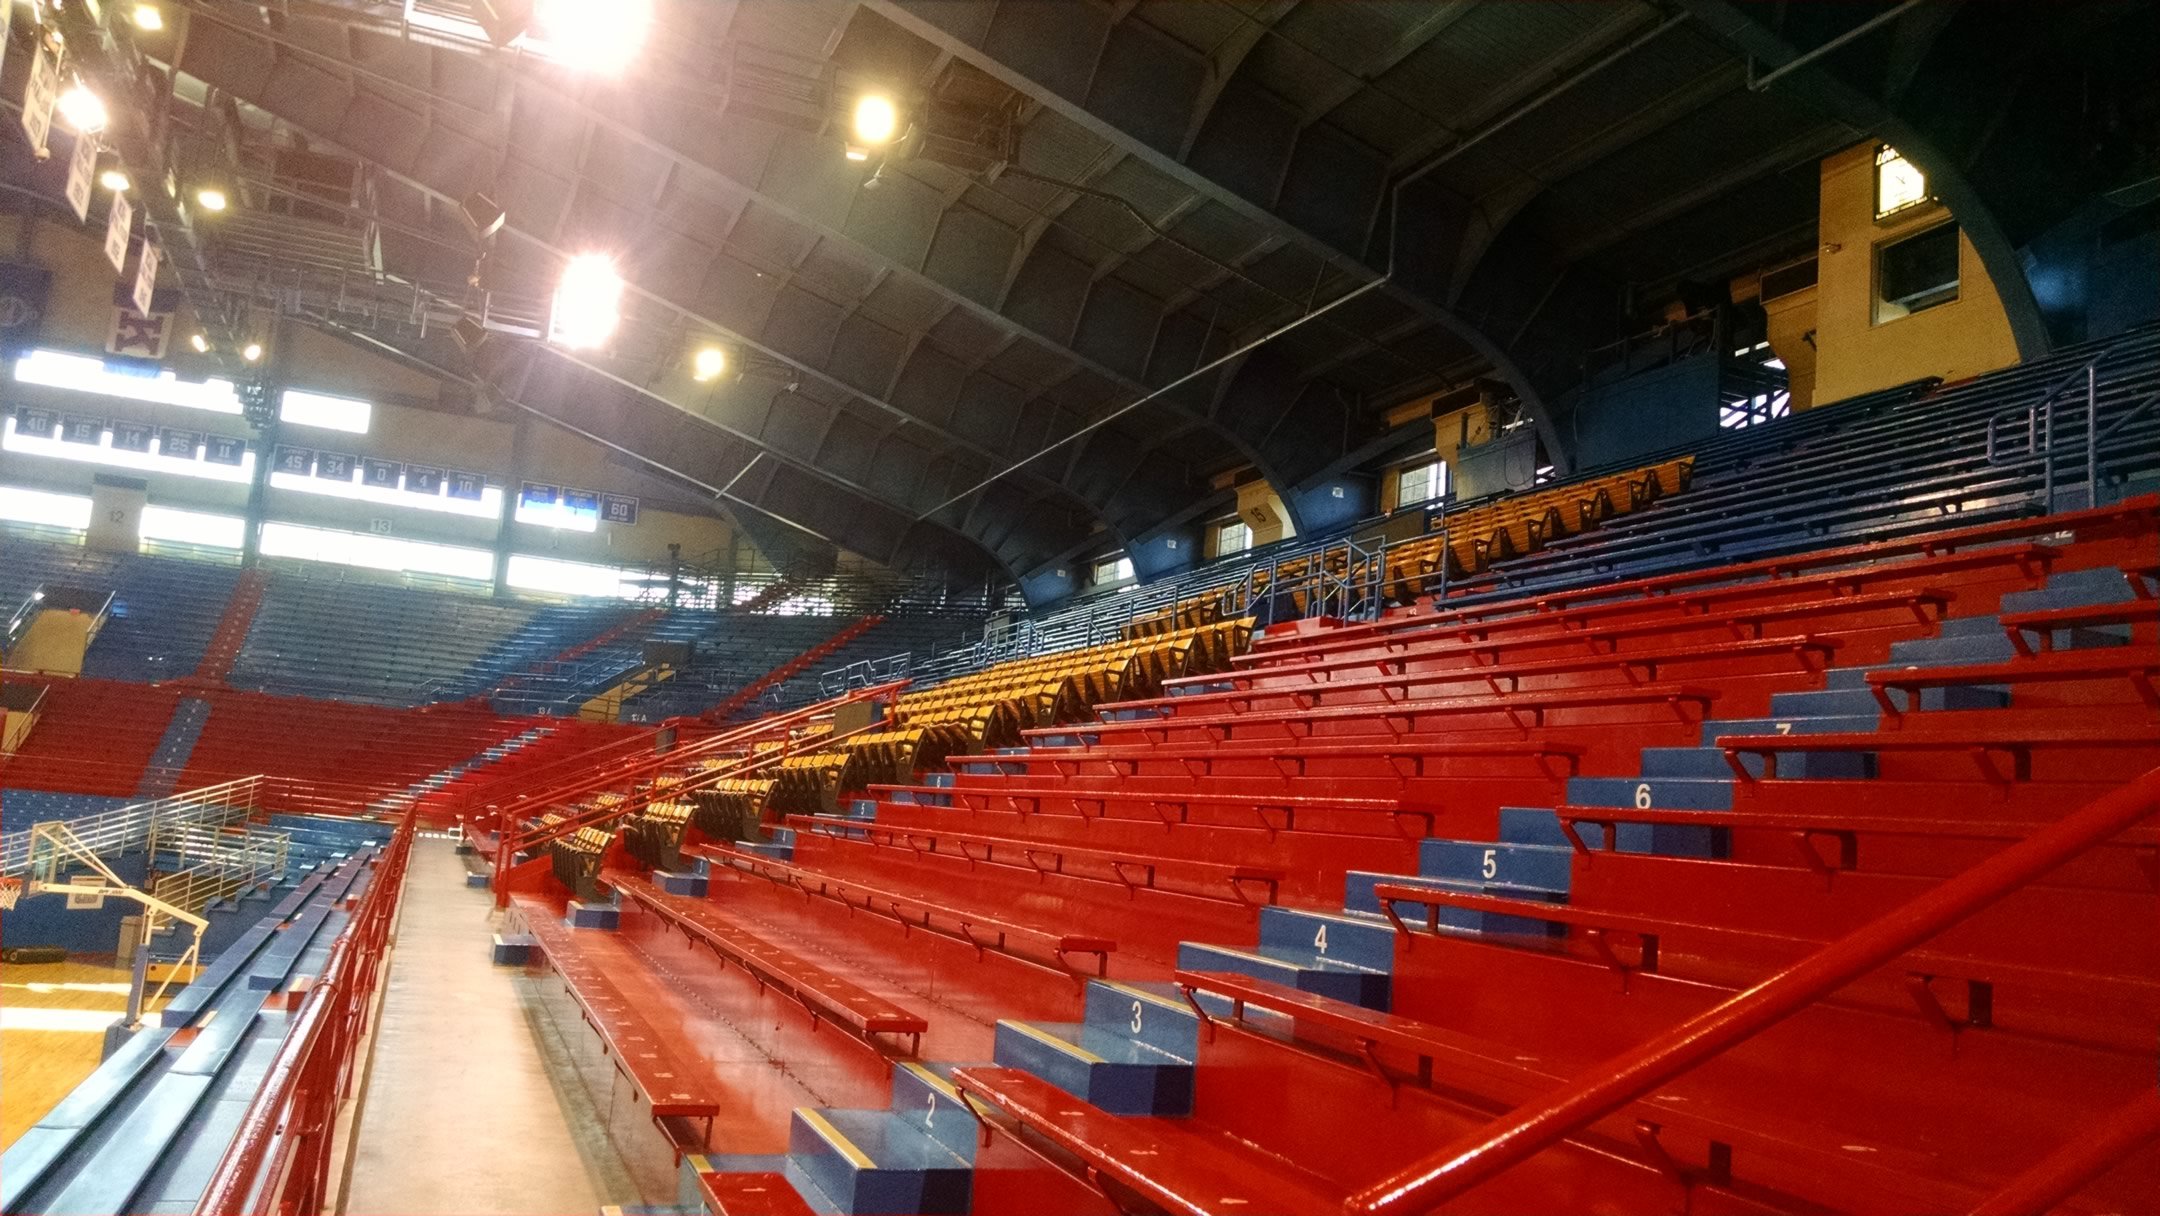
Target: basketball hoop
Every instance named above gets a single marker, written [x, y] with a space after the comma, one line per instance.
[11, 889]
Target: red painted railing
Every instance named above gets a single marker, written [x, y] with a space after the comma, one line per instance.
[280, 1159]
[1537, 1126]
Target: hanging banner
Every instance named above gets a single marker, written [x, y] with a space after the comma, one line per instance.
[178, 444]
[380, 474]
[119, 227]
[224, 449]
[38, 101]
[581, 502]
[82, 176]
[35, 424]
[290, 459]
[24, 289]
[466, 484]
[146, 280]
[537, 495]
[131, 436]
[619, 509]
[136, 336]
[335, 466]
[81, 428]
[423, 479]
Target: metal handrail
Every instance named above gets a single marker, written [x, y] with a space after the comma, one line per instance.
[2039, 419]
[1538, 1125]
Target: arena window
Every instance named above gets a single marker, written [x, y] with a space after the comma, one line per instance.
[202, 529]
[1749, 411]
[1419, 484]
[1232, 536]
[321, 410]
[1916, 273]
[21, 505]
[127, 380]
[376, 552]
[1111, 568]
[530, 573]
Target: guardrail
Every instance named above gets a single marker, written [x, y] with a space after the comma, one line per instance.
[143, 825]
[1539, 1124]
[279, 1161]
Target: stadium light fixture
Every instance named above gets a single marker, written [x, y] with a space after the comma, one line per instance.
[149, 17]
[114, 180]
[588, 303]
[876, 120]
[82, 110]
[707, 364]
[200, 343]
[252, 352]
[212, 198]
[598, 36]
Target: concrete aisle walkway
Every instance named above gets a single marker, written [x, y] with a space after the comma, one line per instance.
[463, 1112]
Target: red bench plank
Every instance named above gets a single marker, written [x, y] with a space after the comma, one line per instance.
[2137, 664]
[820, 992]
[1982, 742]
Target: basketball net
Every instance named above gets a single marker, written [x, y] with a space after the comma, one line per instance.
[11, 889]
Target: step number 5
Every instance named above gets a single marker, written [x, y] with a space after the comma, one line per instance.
[1642, 796]
[1492, 862]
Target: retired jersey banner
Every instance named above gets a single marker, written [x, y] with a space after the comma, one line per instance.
[178, 444]
[82, 174]
[81, 428]
[619, 509]
[131, 436]
[119, 229]
[39, 98]
[35, 424]
[465, 484]
[224, 449]
[289, 459]
[146, 279]
[423, 479]
[380, 474]
[335, 466]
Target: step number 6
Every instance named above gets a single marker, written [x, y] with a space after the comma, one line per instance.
[1642, 796]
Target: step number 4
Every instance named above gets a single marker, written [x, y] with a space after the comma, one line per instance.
[1642, 796]
[1319, 940]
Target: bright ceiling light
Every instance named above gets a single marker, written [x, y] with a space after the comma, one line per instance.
[212, 198]
[877, 120]
[200, 343]
[600, 36]
[708, 363]
[149, 17]
[114, 180]
[252, 352]
[82, 110]
[588, 303]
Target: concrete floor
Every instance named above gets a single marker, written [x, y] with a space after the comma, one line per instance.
[465, 1111]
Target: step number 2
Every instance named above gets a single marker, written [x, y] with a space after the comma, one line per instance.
[1642, 796]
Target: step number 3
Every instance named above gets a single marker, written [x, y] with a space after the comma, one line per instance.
[1136, 1017]
[1642, 796]
[1319, 940]
[1492, 862]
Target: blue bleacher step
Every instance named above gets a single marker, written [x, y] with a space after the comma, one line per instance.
[1358, 898]
[1198, 690]
[988, 766]
[1802, 724]
[1299, 968]
[1993, 647]
[1154, 1014]
[2072, 589]
[943, 781]
[1539, 825]
[1709, 763]
[512, 949]
[1107, 1068]
[874, 1162]
[592, 916]
[924, 1096]
[914, 798]
[678, 883]
[862, 808]
[769, 850]
[1647, 793]
[1527, 867]
[1130, 713]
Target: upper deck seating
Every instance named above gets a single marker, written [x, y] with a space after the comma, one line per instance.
[317, 634]
[164, 609]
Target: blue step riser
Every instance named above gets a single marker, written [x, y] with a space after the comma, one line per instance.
[1358, 988]
[1121, 1089]
[1527, 867]
[1651, 793]
[1348, 942]
[935, 1113]
[1173, 1030]
[883, 1189]
[1949, 652]
[1792, 726]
